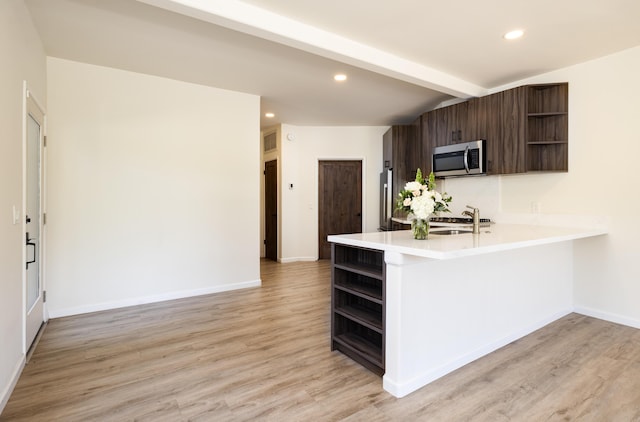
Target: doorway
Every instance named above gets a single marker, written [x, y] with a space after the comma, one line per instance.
[271, 210]
[339, 201]
[33, 233]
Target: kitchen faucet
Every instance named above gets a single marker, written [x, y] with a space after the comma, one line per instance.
[476, 218]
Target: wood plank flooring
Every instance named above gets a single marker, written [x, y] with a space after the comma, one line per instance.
[264, 354]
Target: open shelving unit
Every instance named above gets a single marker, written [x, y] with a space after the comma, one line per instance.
[357, 305]
[547, 127]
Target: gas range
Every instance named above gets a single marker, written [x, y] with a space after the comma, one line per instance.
[457, 221]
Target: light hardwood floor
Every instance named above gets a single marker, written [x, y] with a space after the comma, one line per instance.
[263, 354]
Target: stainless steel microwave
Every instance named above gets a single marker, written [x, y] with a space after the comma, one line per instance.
[467, 158]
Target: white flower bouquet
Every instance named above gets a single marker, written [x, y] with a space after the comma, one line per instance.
[420, 199]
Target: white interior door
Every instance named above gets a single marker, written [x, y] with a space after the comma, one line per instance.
[33, 225]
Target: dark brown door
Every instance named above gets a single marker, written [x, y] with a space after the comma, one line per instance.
[271, 209]
[339, 201]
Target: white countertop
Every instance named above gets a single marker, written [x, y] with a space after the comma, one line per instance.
[497, 237]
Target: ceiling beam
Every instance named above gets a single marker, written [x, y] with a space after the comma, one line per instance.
[252, 20]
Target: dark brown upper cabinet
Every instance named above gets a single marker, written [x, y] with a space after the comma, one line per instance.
[428, 138]
[401, 151]
[526, 128]
[499, 119]
[440, 127]
[449, 125]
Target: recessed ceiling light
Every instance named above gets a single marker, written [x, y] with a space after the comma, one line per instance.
[515, 34]
[269, 115]
[340, 77]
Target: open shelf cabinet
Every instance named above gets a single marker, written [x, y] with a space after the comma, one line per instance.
[357, 305]
[547, 127]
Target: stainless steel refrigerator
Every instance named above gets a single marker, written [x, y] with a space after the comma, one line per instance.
[386, 199]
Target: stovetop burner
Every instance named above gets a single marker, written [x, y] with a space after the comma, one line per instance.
[457, 220]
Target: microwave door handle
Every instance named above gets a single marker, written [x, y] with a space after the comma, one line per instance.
[466, 159]
[389, 195]
[385, 208]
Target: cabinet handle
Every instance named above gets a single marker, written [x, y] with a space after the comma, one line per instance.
[459, 135]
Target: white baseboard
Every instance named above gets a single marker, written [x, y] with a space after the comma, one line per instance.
[607, 316]
[6, 393]
[402, 389]
[298, 259]
[84, 309]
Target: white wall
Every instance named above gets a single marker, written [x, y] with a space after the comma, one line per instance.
[153, 188]
[22, 58]
[299, 206]
[604, 146]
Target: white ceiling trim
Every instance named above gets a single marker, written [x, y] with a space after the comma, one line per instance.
[249, 19]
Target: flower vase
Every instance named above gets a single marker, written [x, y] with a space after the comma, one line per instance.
[420, 228]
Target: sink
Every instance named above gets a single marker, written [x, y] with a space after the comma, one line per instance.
[449, 231]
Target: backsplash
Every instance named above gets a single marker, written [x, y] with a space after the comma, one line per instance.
[482, 192]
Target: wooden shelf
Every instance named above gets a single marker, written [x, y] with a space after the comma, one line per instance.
[363, 316]
[360, 260]
[358, 284]
[366, 292]
[368, 270]
[548, 98]
[548, 157]
[362, 346]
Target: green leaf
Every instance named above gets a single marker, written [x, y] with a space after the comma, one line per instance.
[432, 181]
[419, 177]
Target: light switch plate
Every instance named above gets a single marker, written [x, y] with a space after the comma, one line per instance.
[16, 215]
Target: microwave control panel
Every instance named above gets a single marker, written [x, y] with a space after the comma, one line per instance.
[474, 158]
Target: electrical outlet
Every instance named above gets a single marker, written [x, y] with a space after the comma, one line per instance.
[536, 207]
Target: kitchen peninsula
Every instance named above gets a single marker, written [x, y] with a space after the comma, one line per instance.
[448, 300]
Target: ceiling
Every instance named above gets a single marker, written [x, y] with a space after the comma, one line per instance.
[401, 58]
